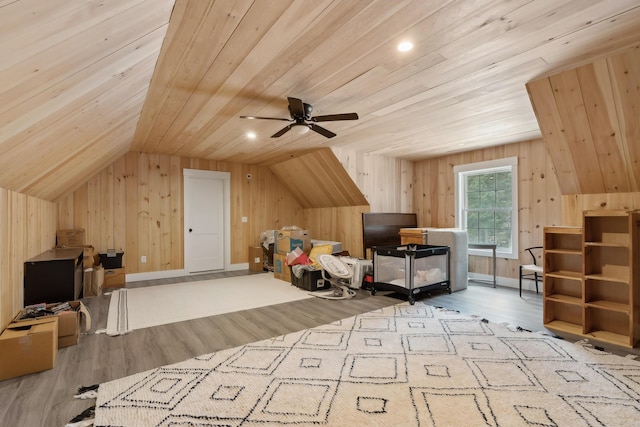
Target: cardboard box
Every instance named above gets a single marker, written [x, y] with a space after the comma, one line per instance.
[256, 258]
[70, 238]
[93, 280]
[97, 281]
[68, 323]
[87, 256]
[87, 283]
[69, 326]
[114, 277]
[280, 268]
[29, 346]
[288, 240]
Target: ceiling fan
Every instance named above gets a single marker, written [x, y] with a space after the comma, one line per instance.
[301, 116]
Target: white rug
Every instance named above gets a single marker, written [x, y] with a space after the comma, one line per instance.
[137, 308]
[398, 366]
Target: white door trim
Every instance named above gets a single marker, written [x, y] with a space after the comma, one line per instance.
[226, 179]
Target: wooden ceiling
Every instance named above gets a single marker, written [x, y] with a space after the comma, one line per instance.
[83, 82]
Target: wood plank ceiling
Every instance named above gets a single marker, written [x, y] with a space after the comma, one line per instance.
[82, 82]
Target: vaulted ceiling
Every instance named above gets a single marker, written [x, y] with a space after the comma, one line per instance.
[83, 82]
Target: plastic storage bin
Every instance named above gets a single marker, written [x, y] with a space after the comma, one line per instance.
[111, 260]
[311, 280]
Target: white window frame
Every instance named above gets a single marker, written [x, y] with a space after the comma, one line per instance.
[459, 171]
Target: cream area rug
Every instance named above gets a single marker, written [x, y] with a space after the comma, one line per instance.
[398, 366]
[137, 308]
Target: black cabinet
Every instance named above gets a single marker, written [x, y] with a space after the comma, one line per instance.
[53, 276]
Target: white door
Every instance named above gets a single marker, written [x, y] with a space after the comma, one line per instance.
[206, 204]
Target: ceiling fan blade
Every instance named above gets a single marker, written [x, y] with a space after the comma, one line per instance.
[282, 131]
[296, 107]
[335, 117]
[264, 118]
[321, 130]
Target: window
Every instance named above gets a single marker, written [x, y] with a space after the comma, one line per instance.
[487, 204]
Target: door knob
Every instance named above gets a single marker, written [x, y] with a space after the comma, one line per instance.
[190, 230]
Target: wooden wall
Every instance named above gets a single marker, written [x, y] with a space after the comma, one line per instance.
[342, 224]
[386, 182]
[136, 205]
[539, 198]
[573, 206]
[589, 120]
[27, 228]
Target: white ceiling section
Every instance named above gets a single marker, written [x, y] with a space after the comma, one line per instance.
[82, 82]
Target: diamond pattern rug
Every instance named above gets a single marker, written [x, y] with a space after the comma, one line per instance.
[402, 365]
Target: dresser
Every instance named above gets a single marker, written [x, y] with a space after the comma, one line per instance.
[53, 276]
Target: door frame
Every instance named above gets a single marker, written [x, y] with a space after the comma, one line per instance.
[225, 177]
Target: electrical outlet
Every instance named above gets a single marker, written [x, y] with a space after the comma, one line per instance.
[143, 258]
[245, 219]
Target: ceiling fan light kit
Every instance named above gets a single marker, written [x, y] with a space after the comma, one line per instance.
[301, 116]
[301, 129]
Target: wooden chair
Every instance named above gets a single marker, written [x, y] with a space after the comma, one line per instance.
[531, 271]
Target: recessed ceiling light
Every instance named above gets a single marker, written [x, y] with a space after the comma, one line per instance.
[251, 135]
[405, 46]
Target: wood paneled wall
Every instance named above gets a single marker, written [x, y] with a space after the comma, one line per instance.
[27, 228]
[539, 198]
[386, 182]
[573, 206]
[343, 224]
[136, 205]
[589, 120]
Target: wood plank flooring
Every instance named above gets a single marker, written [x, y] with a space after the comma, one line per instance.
[46, 398]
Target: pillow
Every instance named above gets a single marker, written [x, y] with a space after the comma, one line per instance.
[318, 250]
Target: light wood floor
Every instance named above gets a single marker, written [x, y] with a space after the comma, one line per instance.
[46, 398]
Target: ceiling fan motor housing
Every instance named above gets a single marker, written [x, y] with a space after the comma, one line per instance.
[308, 108]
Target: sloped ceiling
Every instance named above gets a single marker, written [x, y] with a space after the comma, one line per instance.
[82, 82]
[590, 123]
[318, 180]
[74, 77]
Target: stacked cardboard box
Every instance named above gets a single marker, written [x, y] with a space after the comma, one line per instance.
[29, 346]
[68, 315]
[73, 238]
[288, 240]
[280, 268]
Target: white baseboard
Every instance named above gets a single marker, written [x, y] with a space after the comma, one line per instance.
[165, 274]
[151, 275]
[236, 267]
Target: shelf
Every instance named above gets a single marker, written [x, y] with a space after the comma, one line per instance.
[565, 274]
[562, 326]
[606, 213]
[606, 278]
[609, 305]
[564, 251]
[609, 337]
[561, 298]
[560, 229]
[607, 245]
